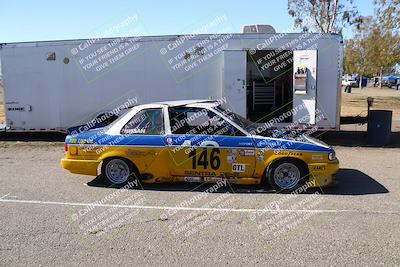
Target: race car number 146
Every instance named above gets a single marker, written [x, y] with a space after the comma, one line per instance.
[203, 159]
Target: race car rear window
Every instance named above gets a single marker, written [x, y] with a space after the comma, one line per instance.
[145, 122]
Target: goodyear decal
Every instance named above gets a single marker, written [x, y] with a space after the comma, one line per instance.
[287, 153]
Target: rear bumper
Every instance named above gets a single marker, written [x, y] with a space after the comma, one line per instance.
[323, 174]
[85, 167]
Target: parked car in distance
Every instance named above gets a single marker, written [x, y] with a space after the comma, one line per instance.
[349, 82]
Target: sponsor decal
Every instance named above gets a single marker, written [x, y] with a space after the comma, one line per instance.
[287, 153]
[247, 153]
[192, 179]
[245, 144]
[260, 156]
[238, 167]
[232, 156]
[135, 131]
[85, 141]
[169, 141]
[316, 157]
[318, 168]
[199, 173]
[16, 109]
[231, 159]
[89, 149]
[139, 153]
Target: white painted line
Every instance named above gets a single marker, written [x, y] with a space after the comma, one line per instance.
[190, 208]
[4, 196]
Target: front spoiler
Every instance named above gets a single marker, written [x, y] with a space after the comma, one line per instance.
[323, 174]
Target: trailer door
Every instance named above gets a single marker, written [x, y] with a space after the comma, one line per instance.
[234, 80]
[304, 85]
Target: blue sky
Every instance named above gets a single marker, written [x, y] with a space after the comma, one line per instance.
[52, 20]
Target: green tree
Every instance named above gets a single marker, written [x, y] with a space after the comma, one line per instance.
[375, 45]
[387, 28]
[326, 16]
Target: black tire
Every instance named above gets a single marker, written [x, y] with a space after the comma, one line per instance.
[296, 175]
[114, 168]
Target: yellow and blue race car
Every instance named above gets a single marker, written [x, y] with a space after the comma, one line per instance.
[197, 141]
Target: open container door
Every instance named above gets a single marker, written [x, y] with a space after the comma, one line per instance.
[234, 80]
[304, 85]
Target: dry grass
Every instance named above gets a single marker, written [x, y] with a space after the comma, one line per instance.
[356, 104]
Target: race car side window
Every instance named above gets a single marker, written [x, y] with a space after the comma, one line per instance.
[145, 122]
[186, 120]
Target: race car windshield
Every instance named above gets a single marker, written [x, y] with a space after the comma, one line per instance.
[249, 126]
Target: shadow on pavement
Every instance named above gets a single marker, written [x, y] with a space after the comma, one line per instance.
[33, 137]
[354, 182]
[353, 139]
[350, 182]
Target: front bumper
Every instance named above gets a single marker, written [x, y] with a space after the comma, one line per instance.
[85, 167]
[323, 174]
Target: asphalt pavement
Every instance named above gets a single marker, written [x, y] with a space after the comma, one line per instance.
[52, 217]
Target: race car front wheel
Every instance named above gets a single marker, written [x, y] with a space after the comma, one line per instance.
[118, 171]
[286, 175]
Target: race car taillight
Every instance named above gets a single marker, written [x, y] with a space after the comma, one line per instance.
[65, 147]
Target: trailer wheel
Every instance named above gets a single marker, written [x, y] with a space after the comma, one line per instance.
[119, 171]
[286, 175]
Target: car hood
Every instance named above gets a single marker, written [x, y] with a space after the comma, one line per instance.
[280, 141]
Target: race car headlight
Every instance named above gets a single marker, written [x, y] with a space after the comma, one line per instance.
[332, 156]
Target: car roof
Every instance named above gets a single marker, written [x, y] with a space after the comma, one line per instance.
[188, 103]
[185, 102]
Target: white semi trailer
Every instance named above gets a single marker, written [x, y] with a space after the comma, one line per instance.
[276, 79]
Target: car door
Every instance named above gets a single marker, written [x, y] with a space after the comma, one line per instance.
[202, 144]
[142, 141]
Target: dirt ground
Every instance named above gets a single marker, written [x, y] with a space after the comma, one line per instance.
[355, 103]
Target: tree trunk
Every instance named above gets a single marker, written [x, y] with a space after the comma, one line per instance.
[380, 79]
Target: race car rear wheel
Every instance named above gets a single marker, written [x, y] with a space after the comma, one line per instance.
[286, 175]
[119, 171]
